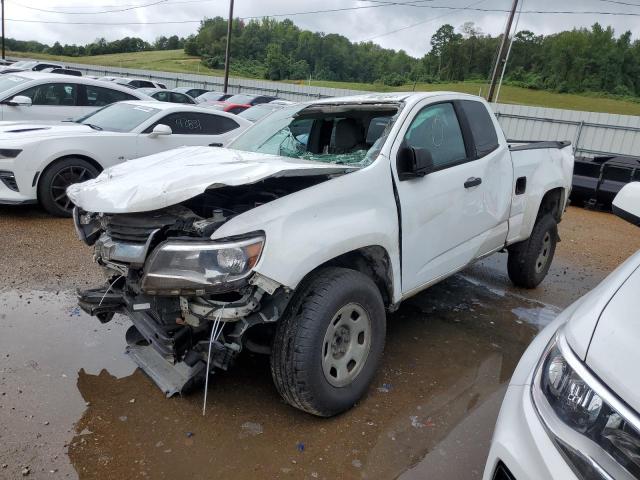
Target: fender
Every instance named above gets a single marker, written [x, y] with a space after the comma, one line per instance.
[313, 226]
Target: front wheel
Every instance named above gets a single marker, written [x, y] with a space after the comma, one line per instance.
[52, 187]
[529, 261]
[329, 343]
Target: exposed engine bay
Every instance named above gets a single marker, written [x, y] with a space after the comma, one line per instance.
[175, 323]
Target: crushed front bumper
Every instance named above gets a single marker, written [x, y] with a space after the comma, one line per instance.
[154, 346]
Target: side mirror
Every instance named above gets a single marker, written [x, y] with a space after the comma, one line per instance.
[413, 162]
[20, 101]
[627, 203]
[160, 130]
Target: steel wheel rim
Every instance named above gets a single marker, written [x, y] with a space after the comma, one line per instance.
[545, 250]
[346, 345]
[65, 177]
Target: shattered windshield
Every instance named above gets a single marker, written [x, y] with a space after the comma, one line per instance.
[350, 134]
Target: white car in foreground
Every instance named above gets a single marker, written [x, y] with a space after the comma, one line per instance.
[571, 410]
[38, 161]
[50, 96]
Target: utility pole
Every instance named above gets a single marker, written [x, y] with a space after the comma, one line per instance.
[227, 52]
[500, 60]
[2, 29]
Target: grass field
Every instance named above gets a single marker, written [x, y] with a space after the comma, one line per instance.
[163, 60]
[177, 61]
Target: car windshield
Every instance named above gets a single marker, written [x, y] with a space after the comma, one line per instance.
[256, 113]
[9, 81]
[118, 117]
[210, 96]
[24, 64]
[351, 134]
[240, 99]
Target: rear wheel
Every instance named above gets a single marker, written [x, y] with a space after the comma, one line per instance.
[329, 344]
[53, 184]
[529, 261]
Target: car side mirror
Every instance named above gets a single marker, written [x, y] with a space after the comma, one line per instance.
[626, 204]
[20, 101]
[160, 130]
[412, 162]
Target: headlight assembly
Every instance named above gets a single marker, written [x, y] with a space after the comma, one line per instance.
[595, 431]
[181, 267]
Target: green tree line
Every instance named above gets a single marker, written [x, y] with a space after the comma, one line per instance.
[99, 46]
[578, 60]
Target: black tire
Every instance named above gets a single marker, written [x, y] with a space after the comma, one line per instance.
[529, 261]
[297, 362]
[56, 178]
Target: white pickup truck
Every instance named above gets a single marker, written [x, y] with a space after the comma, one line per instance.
[296, 239]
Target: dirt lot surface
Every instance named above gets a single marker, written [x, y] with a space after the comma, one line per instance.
[73, 406]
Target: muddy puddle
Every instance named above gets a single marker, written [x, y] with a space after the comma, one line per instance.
[72, 405]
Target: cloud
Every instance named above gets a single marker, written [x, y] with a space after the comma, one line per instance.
[356, 25]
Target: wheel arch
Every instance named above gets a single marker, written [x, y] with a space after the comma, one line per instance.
[373, 261]
[553, 202]
[52, 163]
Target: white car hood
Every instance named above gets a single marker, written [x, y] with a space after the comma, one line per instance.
[613, 354]
[171, 177]
[582, 323]
[32, 130]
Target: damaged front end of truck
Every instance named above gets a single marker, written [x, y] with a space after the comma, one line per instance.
[192, 300]
[181, 235]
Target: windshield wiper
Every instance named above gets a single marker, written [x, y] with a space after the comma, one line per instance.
[95, 127]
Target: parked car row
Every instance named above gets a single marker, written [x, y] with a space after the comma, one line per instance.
[157, 90]
[42, 96]
[39, 161]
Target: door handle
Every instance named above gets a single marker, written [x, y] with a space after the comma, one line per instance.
[472, 182]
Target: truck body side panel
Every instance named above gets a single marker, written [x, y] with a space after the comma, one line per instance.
[544, 170]
[308, 228]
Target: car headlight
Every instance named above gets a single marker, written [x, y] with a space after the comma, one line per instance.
[181, 267]
[596, 432]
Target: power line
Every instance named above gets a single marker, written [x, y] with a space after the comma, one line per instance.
[312, 12]
[618, 2]
[290, 14]
[504, 10]
[88, 13]
[416, 24]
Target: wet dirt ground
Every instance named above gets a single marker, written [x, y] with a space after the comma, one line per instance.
[73, 406]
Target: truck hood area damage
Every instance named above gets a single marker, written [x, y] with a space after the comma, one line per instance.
[168, 178]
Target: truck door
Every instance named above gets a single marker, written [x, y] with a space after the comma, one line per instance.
[458, 211]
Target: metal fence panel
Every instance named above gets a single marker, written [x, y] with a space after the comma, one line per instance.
[591, 133]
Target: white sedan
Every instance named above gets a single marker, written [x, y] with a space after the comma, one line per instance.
[38, 161]
[50, 96]
[572, 408]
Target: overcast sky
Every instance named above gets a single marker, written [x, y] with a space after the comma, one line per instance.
[357, 25]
